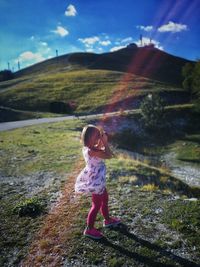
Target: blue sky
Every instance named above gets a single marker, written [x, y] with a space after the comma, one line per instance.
[32, 30]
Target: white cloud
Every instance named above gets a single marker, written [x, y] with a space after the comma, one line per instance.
[127, 40]
[95, 43]
[100, 49]
[146, 41]
[105, 36]
[61, 31]
[71, 11]
[145, 28]
[105, 43]
[101, 42]
[42, 51]
[43, 44]
[89, 41]
[115, 48]
[30, 57]
[172, 27]
[89, 50]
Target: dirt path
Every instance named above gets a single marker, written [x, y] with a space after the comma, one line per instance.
[49, 245]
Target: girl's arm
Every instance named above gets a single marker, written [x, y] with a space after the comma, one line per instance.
[103, 150]
[103, 154]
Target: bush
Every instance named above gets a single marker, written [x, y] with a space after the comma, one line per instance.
[191, 74]
[188, 75]
[152, 110]
[61, 107]
[29, 207]
[6, 75]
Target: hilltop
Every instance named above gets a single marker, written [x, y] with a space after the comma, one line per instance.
[146, 61]
[91, 83]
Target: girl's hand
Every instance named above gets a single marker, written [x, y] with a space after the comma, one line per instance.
[104, 138]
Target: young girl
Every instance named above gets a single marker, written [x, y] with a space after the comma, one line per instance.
[92, 178]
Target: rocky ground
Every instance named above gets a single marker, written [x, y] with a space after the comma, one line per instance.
[149, 237]
[186, 171]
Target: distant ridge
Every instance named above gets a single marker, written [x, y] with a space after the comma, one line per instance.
[146, 61]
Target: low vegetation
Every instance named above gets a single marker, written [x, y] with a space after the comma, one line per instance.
[41, 148]
[155, 206]
[29, 207]
[6, 75]
[84, 91]
[35, 162]
[191, 82]
[152, 111]
[150, 237]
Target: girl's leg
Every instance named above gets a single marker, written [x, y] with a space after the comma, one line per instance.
[104, 205]
[109, 221]
[96, 205]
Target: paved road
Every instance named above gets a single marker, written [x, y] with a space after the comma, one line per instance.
[5, 126]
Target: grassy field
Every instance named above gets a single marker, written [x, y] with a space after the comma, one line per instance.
[189, 149]
[161, 230]
[9, 114]
[162, 224]
[89, 90]
[45, 147]
[35, 162]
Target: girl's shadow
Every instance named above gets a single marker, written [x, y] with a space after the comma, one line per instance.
[123, 229]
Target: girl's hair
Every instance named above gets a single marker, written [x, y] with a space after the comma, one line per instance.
[88, 132]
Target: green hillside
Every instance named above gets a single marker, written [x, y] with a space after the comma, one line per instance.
[145, 61]
[89, 89]
[91, 82]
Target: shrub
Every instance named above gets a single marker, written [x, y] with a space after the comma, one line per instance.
[61, 107]
[191, 74]
[6, 75]
[29, 207]
[152, 110]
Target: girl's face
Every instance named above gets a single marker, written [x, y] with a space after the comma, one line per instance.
[102, 140]
[95, 138]
[104, 137]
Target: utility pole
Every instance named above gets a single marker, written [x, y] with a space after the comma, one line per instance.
[8, 65]
[18, 63]
[141, 39]
[56, 53]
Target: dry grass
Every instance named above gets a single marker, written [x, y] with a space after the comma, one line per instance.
[149, 187]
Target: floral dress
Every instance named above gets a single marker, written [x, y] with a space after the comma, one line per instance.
[92, 179]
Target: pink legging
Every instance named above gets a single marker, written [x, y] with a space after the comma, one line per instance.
[99, 202]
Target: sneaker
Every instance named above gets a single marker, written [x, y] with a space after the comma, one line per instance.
[111, 222]
[93, 233]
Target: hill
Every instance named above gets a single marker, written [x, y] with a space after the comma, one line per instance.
[90, 83]
[145, 61]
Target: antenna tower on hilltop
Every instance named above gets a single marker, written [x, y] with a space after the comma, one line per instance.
[141, 39]
[18, 63]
